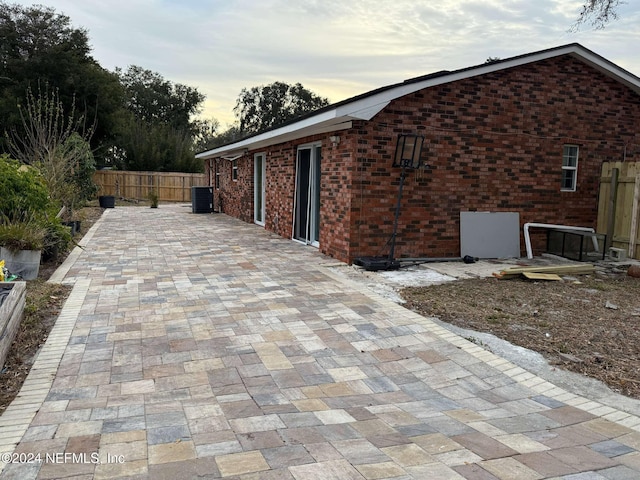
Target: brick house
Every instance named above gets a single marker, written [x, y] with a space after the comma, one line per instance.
[526, 134]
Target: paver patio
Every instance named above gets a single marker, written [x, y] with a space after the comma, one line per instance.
[199, 346]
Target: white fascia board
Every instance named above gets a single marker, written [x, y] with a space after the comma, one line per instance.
[380, 100]
[284, 135]
[305, 127]
[610, 69]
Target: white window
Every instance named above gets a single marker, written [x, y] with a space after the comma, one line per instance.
[259, 187]
[234, 170]
[569, 168]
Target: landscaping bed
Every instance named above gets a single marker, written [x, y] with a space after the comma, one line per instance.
[12, 300]
[44, 302]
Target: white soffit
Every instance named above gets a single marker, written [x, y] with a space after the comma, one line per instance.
[280, 135]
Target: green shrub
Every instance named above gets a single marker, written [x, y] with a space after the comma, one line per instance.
[153, 198]
[23, 190]
[57, 239]
[22, 234]
[28, 220]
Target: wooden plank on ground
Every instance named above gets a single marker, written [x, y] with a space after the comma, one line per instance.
[551, 269]
[542, 276]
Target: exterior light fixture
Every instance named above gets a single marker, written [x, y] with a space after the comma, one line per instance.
[407, 156]
[408, 151]
[334, 139]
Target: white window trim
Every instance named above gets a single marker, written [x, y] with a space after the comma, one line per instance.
[569, 168]
[263, 157]
[234, 170]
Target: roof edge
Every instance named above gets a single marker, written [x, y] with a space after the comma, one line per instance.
[366, 105]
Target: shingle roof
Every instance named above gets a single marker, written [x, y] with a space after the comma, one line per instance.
[338, 116]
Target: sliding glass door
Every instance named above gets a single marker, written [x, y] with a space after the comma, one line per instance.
[306, 210]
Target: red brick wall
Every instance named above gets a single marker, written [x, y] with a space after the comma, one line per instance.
[493, 143]
[280, 187]
[336, 196]
[235, 197]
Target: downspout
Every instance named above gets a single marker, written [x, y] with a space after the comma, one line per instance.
[527, 238]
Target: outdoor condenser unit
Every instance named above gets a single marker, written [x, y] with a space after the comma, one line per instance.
[202, 199]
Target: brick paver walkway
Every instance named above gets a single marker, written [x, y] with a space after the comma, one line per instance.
[199, 346]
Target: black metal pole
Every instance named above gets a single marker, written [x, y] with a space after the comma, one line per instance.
[397, 215]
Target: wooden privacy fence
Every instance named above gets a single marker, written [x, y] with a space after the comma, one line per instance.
[618, 206]
[170, 186]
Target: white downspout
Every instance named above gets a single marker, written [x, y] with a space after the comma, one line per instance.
[527, 238]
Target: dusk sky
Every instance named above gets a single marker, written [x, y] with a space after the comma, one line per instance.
[337, 49]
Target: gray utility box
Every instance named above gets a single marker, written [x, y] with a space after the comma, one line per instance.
[202, 199]
[490, 234]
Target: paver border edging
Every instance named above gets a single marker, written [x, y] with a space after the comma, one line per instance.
[536, 383]
[16, 419]
[63, 269]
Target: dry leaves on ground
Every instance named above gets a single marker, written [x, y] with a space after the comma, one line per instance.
[43, 304]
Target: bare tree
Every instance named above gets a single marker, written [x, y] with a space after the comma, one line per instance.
[598, 13]
[48, 141]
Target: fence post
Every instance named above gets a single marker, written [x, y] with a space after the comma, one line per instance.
[634, 217]
[613, 196]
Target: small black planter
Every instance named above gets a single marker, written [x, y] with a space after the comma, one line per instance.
[107, 201]
[72, 227]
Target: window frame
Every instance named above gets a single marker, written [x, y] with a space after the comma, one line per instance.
[567, 157]
[234, 170]
[259, 194]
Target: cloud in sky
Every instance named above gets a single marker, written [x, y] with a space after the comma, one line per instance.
[335, 48]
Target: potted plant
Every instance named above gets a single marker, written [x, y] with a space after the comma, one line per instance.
[57, 240]
[153, 198]
[107, 201]
[71, 198]
[21, 244]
